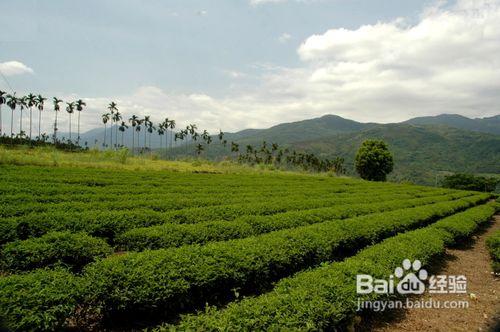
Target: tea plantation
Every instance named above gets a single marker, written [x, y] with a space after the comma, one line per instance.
[95, 248]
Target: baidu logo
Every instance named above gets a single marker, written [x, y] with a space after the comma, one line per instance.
[406, 279]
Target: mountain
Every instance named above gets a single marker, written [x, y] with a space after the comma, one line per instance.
[486, 125]
[324, 126]
[420, 152]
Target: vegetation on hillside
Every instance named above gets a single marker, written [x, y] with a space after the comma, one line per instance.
[470, 182]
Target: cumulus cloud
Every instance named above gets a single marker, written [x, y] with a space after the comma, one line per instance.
[11, 68]
[447, 62]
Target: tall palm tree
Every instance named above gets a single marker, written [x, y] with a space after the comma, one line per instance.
[133, 121]
[79, 107]
[57, 108]
[165, 125]
[235, 147]
[151, 129]
[122, 128]
[146, 122]
[12, 103]
[31, 101]
[161, 132]
[172, 127]
[112, 108]
[117, 117]
[221, 136]
[70, 108]
[105, 119]
[40, 102]
[3, 100]
[138, 129]
[22, 102]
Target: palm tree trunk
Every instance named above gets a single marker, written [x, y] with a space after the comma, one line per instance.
[12, 124]
[70, 127]
[39, 124]
[55, 130]
[133, 140]
[31, 120]
[21, 122]
[78, 138]
[104, 144]
[122, 137]
[1, 124]
[111, 136]
[116, 138]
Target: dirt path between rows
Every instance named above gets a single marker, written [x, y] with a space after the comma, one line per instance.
[483, 294]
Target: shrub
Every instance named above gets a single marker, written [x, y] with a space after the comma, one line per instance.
[493, 244]
[470, 182]
[73, 250]
[325, 298]
[374, 161]
[39, 301]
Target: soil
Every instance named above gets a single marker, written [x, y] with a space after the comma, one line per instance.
[483, 295]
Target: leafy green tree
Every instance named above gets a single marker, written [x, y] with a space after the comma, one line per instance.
[374, 161]
[470, 182]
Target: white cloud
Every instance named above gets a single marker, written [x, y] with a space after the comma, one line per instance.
[284, 38]
[11, 68]
[390, 71]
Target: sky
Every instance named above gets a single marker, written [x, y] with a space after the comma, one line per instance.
[236, 64]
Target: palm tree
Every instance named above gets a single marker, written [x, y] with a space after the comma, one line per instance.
[161, 132]
[164, 126]
[22, 102]
[40, 101]
[112, 108]
[79, 107]
[235, 147]
[172, 127]
[117, 117]
[133, 121]
[199, 149]
[70, 108]
[2, 101]
[31, 101]
[57, 108]
[12, 103]
[105, 119]
[151, 128]
[122, 128]
[221, 136]
[146, 122]
[138, 129]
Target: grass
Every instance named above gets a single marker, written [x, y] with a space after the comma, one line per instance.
[121, 159]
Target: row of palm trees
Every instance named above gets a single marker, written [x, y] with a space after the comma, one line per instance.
[264, 154]
[37, 102]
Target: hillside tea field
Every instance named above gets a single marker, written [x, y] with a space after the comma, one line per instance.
[121, 249]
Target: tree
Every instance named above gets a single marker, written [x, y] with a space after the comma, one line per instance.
[146, 122]
[122, 128]
[161, 132]
[40, 102]
[79, 107]
[117, 117]
[22, 102]
[57, 108]
[31, 101]
[3, 100]
[70, 108]
[112, 108]
[172, 127]
[374, 161]
[105, 119]
[133, 122]
[12, 103]
[465, 181]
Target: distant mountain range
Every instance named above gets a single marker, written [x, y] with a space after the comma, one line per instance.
[424, 148]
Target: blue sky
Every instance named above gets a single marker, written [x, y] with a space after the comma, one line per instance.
[238, 63]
